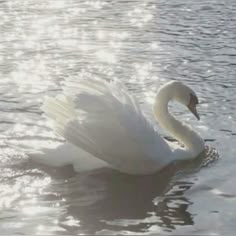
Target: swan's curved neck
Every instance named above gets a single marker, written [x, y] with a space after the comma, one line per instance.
[193, 143]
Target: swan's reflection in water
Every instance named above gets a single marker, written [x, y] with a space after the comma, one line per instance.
[106, 201]
[139, 203]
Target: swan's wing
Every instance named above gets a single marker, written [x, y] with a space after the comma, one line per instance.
[104, 120]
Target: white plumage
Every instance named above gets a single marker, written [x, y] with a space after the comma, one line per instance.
[103, 120]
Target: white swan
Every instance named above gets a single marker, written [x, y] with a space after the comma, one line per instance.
[105, 126]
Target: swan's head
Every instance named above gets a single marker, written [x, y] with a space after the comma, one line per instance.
[185, 95]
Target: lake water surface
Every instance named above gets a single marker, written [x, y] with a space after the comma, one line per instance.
[144, 44]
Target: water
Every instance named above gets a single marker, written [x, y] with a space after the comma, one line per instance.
[144, 44]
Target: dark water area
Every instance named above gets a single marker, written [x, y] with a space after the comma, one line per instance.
[144, 44]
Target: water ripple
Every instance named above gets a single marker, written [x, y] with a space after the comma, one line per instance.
[144, 44]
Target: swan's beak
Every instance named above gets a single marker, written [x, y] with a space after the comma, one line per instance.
[192, 106]
[193, 109]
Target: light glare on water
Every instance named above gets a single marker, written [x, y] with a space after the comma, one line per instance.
[144, 44]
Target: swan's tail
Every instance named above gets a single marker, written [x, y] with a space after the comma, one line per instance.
[105, 121]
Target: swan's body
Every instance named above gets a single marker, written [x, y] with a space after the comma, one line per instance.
[104, 121]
